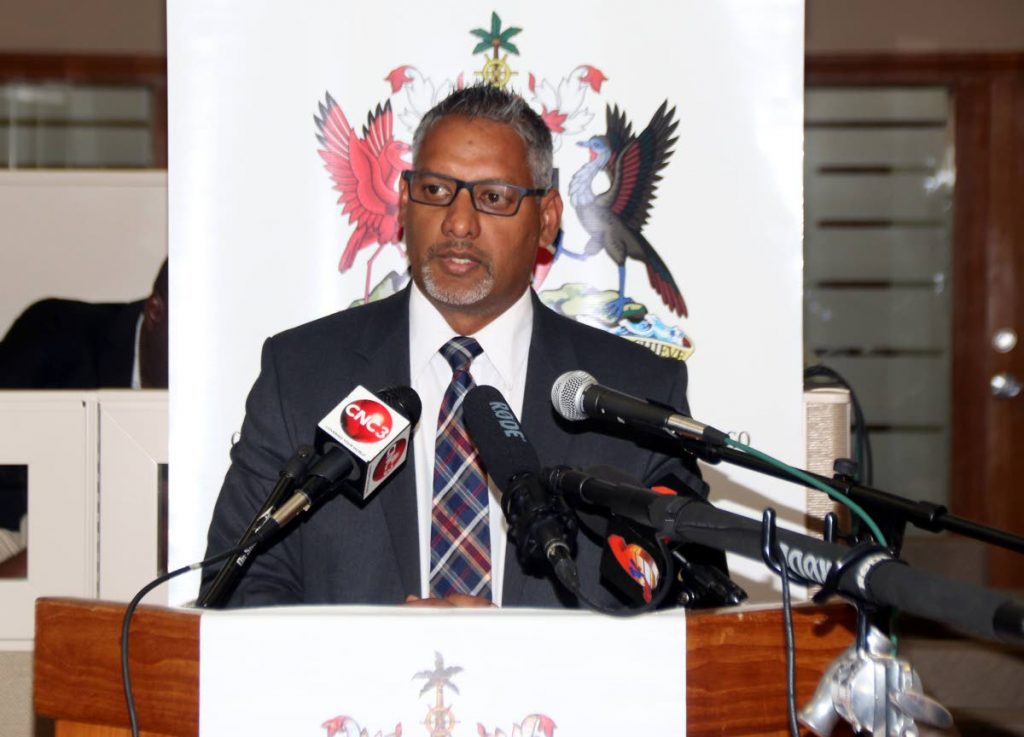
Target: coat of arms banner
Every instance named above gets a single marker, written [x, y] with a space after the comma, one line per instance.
[678, 149]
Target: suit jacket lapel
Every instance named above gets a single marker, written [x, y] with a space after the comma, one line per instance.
[551, 353]
[384, 344]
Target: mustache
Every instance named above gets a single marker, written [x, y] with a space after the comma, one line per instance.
[457, 249]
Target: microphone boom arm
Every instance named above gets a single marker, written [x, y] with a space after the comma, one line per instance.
[895, 511]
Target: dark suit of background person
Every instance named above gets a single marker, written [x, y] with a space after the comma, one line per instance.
[346, 554]
[68, 344]
[65, 344]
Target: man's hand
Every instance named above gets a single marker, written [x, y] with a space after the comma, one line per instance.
[452, 600]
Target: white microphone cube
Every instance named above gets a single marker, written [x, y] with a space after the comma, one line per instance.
[376, 434]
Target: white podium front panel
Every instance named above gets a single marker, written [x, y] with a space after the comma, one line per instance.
[395, 671]
[53, 434]
[133, 500]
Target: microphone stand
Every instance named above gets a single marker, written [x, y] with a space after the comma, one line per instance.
[227, 578]
[867, 686]
[892, 512]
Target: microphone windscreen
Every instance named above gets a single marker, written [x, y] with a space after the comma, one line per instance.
[567, 394]
[504, 450]
[404, 399]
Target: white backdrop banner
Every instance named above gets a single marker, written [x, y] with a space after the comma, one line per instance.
[388, 672]
[680, 121]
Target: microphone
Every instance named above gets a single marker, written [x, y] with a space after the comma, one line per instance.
[374, 429]
[541, 524]
[232, 570]
[362, 441]
[701, 580]
[576, 395]
[877, 577]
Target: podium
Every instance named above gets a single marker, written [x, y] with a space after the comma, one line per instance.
[735, 670]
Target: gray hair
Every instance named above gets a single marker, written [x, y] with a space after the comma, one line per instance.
[501, 106]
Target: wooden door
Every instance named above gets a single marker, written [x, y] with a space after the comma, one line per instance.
[989, 468]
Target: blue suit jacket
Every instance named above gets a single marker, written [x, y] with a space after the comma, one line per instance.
[347, 553]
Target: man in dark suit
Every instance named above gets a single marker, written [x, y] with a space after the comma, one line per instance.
[475, 209]
[66, 344]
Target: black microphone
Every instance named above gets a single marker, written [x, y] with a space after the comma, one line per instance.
[232, 569]
[294, 471]
[362, 441]
[576, 395]
[877, 577]
[541, 524]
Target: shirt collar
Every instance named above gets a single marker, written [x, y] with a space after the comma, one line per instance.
[505, 340]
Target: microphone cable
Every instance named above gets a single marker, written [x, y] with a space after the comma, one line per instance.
[126, 678]
[809, 480]
[787, 628]
[215, 596]
[569, 396]
[625, 612]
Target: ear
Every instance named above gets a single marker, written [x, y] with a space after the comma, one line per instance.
[550, 218]
[154, 309]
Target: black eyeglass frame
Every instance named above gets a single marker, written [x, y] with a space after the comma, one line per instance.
[461, 184]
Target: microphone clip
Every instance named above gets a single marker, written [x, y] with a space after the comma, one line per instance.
[542, 526]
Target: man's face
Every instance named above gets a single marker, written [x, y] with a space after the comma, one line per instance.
[471, 265]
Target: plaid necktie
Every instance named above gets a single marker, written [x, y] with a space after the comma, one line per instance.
[460, 540]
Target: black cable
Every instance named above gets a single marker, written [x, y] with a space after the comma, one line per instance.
[218, 592]
[624, 611]
[126, 679]
[787, 624]
[775, 559]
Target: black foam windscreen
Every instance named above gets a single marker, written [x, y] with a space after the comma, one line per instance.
[504, 450]
[404, 399]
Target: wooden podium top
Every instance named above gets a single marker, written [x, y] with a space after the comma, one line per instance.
[735, 669]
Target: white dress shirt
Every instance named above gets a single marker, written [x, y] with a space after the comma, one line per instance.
[136, 363]
[506, 347]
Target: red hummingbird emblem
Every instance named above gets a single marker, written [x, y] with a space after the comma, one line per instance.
[365, 172]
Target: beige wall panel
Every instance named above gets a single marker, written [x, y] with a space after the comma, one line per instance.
[94, 27]
[914, 25]
[16, 694]
[95, 236]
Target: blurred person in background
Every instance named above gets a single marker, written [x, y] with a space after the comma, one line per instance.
[68, 344]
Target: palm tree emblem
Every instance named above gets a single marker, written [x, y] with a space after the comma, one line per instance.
[496, 70]
[440, 720]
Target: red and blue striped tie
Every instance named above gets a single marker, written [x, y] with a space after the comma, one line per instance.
[460, 539]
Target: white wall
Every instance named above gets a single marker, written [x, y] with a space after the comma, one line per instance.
[90, 235]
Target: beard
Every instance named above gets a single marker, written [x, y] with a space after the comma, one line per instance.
[455, 295]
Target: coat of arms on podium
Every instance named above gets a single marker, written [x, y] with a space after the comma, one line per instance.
[440, 719]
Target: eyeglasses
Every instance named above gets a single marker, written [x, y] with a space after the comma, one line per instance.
[488, 196]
